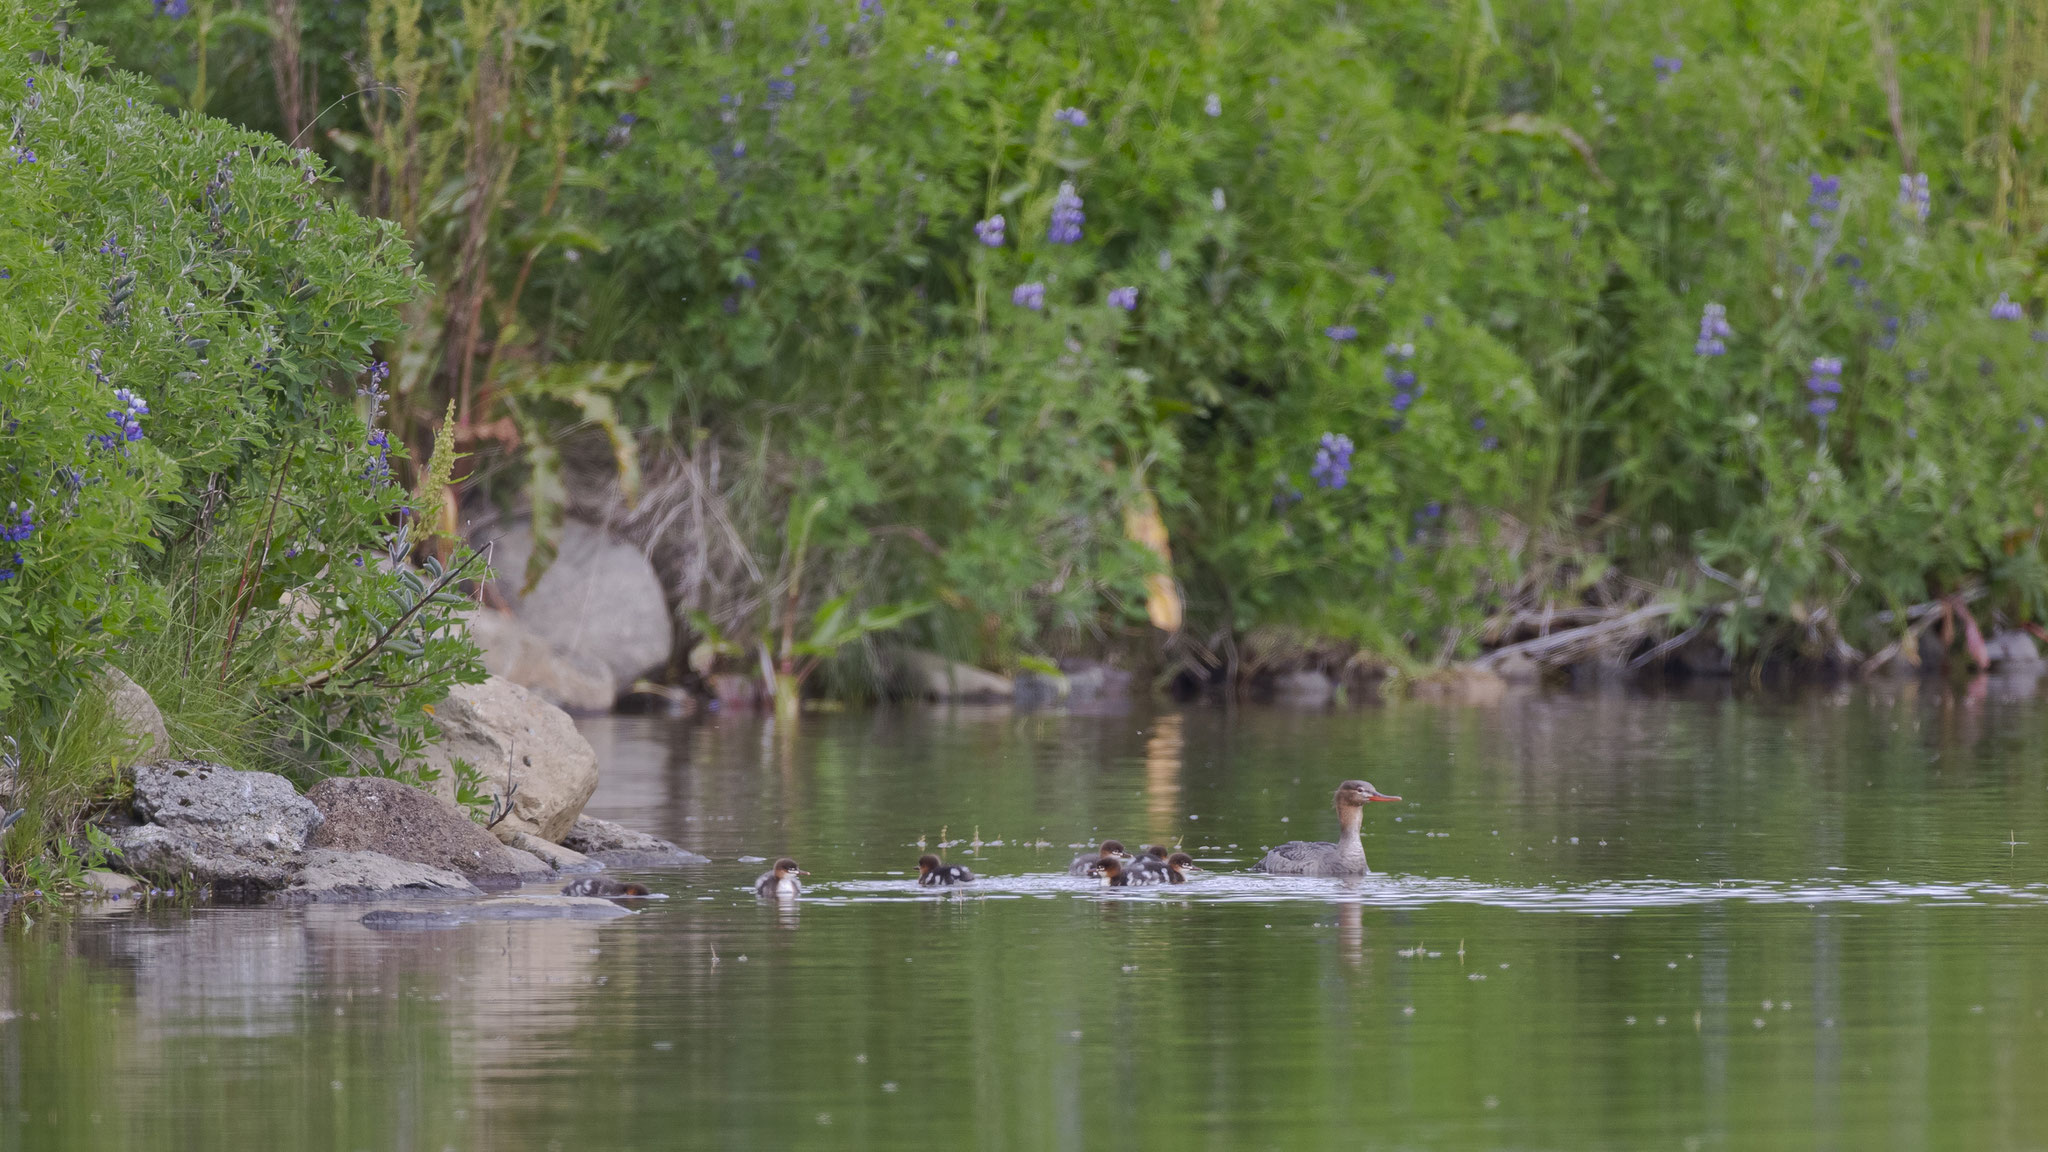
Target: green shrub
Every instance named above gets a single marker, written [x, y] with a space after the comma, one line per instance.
[190, 480]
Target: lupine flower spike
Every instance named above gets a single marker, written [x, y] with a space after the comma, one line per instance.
[1714, 331]
[1332, 468]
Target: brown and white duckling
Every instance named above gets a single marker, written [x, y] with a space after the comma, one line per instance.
[932, 873]
[1111, 871]
[1173, 871]
[1151, 859]
[1111, 850]
[604, 888]
[780, 882]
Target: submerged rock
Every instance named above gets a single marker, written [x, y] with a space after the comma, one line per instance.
[326, 876]
[508, 733]
[377, 815]
[1303, 688]
[110, 885]
[505, 908]
[514, 651]
[601, 600]
[620, 847]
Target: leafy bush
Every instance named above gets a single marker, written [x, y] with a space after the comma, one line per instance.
[1382, 305]
[189, 478]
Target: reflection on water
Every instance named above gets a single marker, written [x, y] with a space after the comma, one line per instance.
[1603, 923]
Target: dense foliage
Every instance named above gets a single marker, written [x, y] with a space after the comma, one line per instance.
[192, 492]
[1398, 314]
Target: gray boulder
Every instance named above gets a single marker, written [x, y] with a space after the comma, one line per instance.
[600, 600]
[506, 732]
[1303, 688]
[932, 676]
[618, 846]
[256, 814]
[178, 857]
[328, 876]
[138, 716]
[515, 652]
[2012, 650]
[553, 855]
[377, 815]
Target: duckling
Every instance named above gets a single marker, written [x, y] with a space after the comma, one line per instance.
[1152, 859]
[933, 874]
[1173, 871]
[781, 882]
[1111, 871]
[606, 888]
[1082, 863]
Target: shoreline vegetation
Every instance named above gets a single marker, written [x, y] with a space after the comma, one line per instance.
[859, 351]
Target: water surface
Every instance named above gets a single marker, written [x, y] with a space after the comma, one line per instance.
[1809, 920]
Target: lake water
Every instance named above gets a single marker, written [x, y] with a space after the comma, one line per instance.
[1779, 920]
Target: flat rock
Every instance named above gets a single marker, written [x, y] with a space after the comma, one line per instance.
[2011, 650]
[257, 814]
[175, 856]
[618, 846]
[510, 734]
[555, 856]
[578, 683]
[503, 908]
[329, 876]
[111, 884]
[378, 815]
[1303, 688]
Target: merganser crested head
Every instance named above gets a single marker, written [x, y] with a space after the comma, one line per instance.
[931, 872]
[1358, 793]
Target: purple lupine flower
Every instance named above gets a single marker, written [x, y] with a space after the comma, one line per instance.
[1401, 378]
[990, 231]
[1029, 295]
[23, 156]
[1430, 511]
[870, 10]
[1401, 401]
[781, 91]
[1332, 468]
[1124, 298]
[1401, 351]
[1067, 217]
[1072, 117]
[1489, 444]
[1914, 195]
[1213, 105]
[1825, 383]
[1824, 196]
[739, 149]
[1341, 332]
[1666, 66]
[175, 9]
[22, 527]
[2005, 309]
[1714, 330]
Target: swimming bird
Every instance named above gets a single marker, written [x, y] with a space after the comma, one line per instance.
[603, 887]
[1173, 871]
[1151, 859]
[1111, 871]
[1110, 850]
[1320, 858]
[933, 874]
[780, 882]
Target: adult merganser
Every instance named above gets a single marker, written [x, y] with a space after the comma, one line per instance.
[932, 874]
[1110, 850]
[606, 888]
[1173, 871]
[1111, 871]
[1320, 858]
[780, 883]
